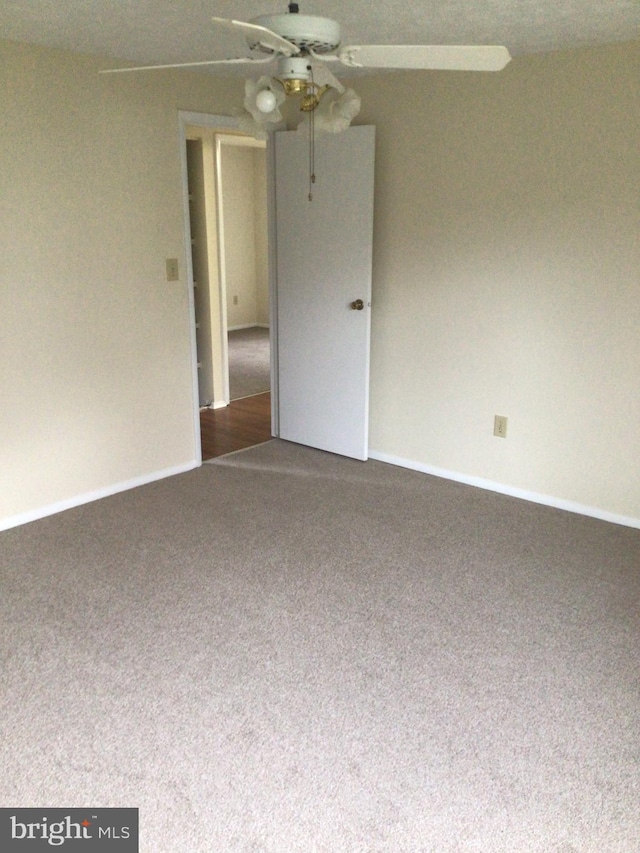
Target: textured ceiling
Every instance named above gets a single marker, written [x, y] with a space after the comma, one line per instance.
[158, 31]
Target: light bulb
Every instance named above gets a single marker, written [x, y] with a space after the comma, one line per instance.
[265, 101]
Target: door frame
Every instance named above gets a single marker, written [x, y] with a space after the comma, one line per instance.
[226, 125]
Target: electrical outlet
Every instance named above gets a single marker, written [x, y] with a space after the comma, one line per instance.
[172, 269]
[235, 300]
[500, 426]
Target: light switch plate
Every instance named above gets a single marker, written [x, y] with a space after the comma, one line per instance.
[172, 269]
[500, 426]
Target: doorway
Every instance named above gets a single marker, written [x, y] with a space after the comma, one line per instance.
[318, 357]
[226, 199]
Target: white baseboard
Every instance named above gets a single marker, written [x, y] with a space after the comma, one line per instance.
[478, 482]
[248, 326]
[534, 497]
[215, 404]
[88, 497]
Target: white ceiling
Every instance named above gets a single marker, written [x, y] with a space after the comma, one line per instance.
[158, 31]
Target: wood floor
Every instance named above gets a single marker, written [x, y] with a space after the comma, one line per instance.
[241, 424]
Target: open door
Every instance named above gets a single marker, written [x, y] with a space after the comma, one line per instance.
[323, 271]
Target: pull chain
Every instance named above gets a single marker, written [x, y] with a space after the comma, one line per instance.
[312, 142]
[312, 154]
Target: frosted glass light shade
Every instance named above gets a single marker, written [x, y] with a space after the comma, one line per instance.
[336, 111]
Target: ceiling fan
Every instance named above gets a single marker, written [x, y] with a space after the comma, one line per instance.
[303, 47]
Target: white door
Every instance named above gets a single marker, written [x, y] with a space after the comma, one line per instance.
[323, 267]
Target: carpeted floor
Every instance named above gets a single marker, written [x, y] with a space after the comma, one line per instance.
[249, 362]
[286, 651]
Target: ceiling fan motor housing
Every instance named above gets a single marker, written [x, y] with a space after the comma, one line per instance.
[294, 68]
[308, 32]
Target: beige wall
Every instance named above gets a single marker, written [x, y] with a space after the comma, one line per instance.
[506, 275]
[95, 361]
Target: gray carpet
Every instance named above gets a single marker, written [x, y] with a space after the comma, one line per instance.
[249, 362]
[290, 651]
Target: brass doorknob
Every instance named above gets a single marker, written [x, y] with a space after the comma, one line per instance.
[357, 305]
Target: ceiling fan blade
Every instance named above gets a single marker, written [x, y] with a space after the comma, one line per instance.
[243, 60]
[260, 35]
[436, 57]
